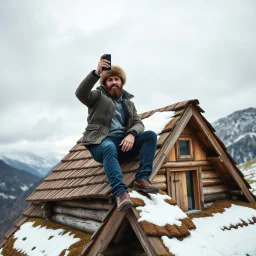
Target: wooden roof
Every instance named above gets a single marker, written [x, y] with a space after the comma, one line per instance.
[80, 176]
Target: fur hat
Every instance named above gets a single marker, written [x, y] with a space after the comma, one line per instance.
[115, 71]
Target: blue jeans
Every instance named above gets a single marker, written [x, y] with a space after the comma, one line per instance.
[109, 153]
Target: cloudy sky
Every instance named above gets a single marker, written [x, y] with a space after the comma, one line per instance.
[170, 50]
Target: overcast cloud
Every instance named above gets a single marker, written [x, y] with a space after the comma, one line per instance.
[170, 50]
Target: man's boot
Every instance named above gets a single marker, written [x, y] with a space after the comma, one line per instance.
[145, 185]
[123, 201]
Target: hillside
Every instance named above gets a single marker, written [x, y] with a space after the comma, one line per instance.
[249, 171]
[238, 132]
[39, 165]
[15, 186]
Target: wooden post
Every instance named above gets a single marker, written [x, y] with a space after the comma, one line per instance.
[96, 215]
[88, 226]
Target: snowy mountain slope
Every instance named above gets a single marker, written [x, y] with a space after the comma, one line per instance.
[13, 182]
[249, 171]
[238, 132]
[15, 186]
[32, 163]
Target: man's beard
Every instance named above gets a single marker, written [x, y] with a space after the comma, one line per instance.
[115, 93]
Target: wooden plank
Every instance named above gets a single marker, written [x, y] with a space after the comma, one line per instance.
[214, 197]
[236, 192]
[161, 185]
[107, 233]
[215, 143]
[95, 204]
[140, 234]
[162, 155]
[212, 182]
[185, 164]
[159, 178]
[210, 174]
[199, 154]
[196, 184]
[183, 169]
[97, 215]
[88, 226]
[158, 245]
[201, 187]
[168, 176]
[172, 155]
[215, 189]
[179, 189]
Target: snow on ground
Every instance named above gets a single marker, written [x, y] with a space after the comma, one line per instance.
[24, 187]
[156, 207]
[157, 121]
[249, 171]
[7, 196]
[1, 252]
[209, 238]
[35, 241]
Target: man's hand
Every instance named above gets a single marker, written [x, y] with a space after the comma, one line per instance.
[102, 63]
[127, 142]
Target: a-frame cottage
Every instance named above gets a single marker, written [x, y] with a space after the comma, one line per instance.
[191, 165]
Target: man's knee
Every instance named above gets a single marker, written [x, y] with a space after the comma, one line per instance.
[151, 135]
[109, 147]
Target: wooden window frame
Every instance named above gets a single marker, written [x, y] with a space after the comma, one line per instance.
[187, 157]
[197, 180]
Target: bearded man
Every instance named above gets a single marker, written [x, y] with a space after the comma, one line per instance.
[115, 132]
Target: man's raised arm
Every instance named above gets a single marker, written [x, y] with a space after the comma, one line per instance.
[84, 91]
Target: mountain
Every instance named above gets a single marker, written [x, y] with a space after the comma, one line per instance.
[13, 182]
[15, 186]
[238, 132]
[249, 171]
[32, 163]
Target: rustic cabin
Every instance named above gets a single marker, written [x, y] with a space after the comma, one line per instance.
[196, 175]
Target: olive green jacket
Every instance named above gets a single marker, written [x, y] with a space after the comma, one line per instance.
[101, 108]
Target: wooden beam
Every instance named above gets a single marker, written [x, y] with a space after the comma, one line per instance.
[236, 192]
[185, 164]
[88, 226]
[223, 156]
[215, 189]
[140, 234]
[96, 215]
[107, 233]
[214, 197]
[212, 182]
[210, 174]
[201, 188]
[95, 204]
[159, 179]
[170, 141]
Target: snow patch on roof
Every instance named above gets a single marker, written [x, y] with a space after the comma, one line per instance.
[211, 239]
[29, 237]
[157, 211]
[157, 121]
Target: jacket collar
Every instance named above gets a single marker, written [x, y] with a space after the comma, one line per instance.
[126, 95]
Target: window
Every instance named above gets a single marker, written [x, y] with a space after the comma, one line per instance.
[184, 148]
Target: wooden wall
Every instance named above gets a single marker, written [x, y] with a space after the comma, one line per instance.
[211, 181]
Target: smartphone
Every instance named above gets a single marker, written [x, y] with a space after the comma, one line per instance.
[107, 57]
